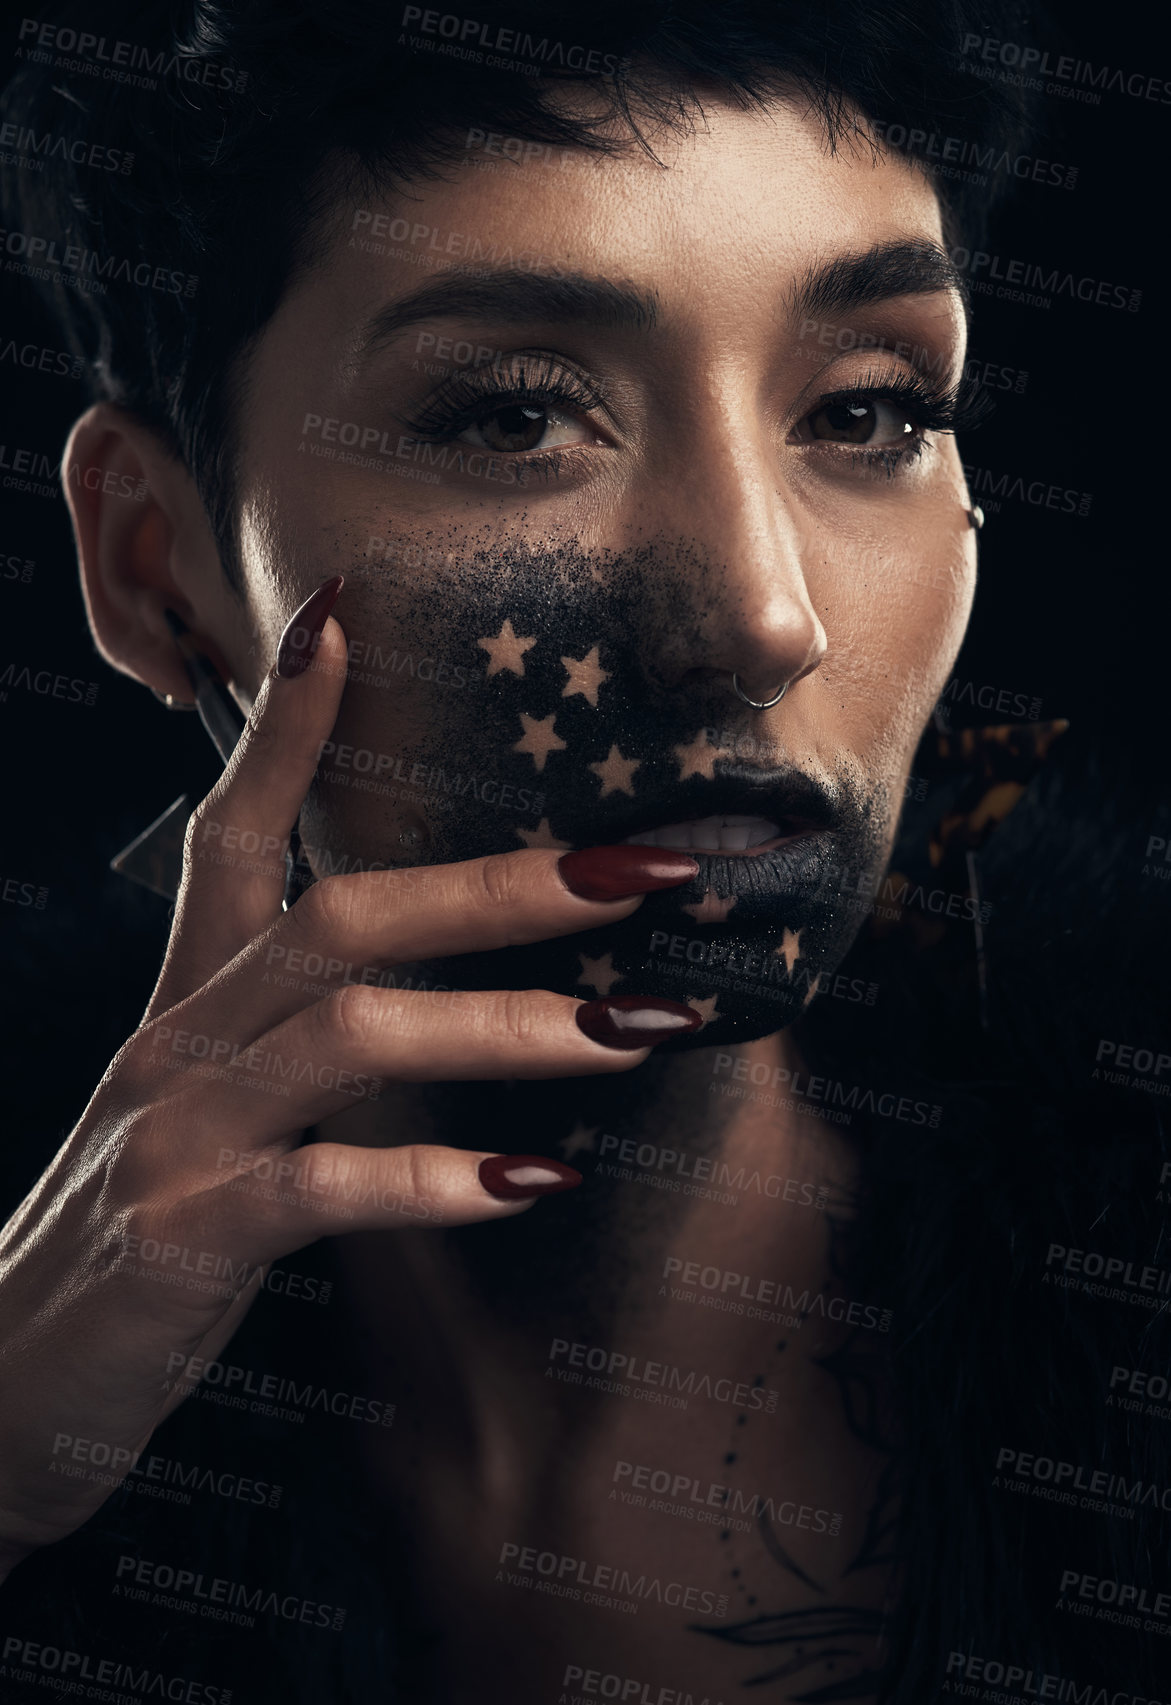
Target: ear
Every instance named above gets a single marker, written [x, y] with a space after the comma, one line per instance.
[145, 546]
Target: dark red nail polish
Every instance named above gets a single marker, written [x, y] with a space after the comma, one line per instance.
[516, 1177]
[635, 1021]
[618, 873]
[301, 637]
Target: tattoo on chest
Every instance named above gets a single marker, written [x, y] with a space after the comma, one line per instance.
[830, 1650]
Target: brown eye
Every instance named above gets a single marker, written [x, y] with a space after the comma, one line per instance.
[860, 422]
[520, 426]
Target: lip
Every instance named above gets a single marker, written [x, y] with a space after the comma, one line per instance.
[797, 803]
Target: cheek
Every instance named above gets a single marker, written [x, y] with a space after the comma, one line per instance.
[895, 618]
[414, 702]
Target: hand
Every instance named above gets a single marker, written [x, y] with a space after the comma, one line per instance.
[170, 1170]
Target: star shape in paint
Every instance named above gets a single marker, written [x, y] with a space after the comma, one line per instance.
[706, 1009]
[599, 973]
[812, 989]
[711, 909]
[585, 676]
[506, 651]
[699, 758]
[789, 950]
[539, 738]
[579, 1141]
[541, 836]
[615, 773]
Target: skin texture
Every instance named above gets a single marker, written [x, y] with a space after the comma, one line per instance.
[689, 528]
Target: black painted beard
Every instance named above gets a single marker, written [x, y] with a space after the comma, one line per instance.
[562, 731]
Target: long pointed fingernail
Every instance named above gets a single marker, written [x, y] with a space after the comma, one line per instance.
[302, 636]
[621, 872]
[516, 1177]
[635, 1021]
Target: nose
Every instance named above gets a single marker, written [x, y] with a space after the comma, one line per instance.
[741, 600]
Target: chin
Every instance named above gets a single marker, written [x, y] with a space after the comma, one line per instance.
[784, 927]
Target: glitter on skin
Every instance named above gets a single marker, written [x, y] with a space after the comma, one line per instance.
[453, 761]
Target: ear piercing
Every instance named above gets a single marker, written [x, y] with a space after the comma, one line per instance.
[757, 704]
[171, 702]
[975, 517]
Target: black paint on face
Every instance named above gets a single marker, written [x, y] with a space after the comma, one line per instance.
[576, 730]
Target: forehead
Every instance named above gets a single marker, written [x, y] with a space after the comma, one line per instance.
[740, 204]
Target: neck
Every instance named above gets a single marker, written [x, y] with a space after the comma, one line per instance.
[694, 1157]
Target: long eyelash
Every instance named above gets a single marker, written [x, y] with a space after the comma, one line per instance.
[540, 379]
[932, 407]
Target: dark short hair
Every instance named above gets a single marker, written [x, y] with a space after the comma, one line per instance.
[231, 111]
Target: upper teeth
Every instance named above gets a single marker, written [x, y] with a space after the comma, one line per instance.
[710, 834]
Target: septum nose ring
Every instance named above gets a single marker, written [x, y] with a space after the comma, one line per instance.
[757, 704]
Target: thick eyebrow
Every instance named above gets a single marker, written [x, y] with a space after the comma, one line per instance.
[903, 267]
[509, 295]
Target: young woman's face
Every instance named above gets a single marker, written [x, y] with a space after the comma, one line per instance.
[562, 422]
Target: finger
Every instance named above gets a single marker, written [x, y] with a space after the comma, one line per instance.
[234, 860]
[281, 1203]
[347, 929]
[342, 1049]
